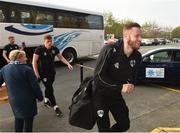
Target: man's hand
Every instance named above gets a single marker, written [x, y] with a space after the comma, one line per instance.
[37, 76]
[111, 41]
[8, 61]
[127, 88]
[70, 67]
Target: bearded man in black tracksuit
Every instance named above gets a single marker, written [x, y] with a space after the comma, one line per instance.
[115, 73]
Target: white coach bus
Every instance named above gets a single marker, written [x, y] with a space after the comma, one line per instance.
[76, 33]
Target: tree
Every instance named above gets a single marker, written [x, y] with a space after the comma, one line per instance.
[176, 32]
[166, 32]
[109, 20]
[150, 30]
[110, 24]
[113, 25]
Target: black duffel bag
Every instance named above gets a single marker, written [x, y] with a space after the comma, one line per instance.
[81, 110]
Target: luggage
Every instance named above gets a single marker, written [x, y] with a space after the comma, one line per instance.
[81, 109]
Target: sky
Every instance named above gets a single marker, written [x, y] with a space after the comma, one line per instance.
[166, 13]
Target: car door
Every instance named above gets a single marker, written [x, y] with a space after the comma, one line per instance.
[155, 66]
[175, 67]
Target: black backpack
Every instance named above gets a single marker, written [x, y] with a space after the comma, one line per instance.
[81, 109]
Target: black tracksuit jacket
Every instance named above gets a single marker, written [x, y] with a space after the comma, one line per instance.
[114, 68]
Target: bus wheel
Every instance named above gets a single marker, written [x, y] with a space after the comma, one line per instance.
[70, 55]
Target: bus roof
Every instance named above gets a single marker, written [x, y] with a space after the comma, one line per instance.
[52, 6]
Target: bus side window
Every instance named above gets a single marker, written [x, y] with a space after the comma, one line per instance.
[59, 21]
[63, 20]
[2, 17]
[82, 22]
[26, 17]
[4, 13]
[15, 16]
[95, 21]
[45, 17]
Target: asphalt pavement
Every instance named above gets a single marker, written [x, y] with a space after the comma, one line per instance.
[150, 106]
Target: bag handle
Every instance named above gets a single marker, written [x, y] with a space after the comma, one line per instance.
[77, 93]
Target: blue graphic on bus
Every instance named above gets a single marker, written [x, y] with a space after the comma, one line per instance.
[37, 27]
[62, 40]
[13, 29]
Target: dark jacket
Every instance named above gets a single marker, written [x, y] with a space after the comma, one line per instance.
[114, 68]
[46, 64]
[23, 89]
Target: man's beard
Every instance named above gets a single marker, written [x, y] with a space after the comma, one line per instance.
[133, 45]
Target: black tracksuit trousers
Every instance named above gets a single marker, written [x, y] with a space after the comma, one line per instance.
[49, 90]
[118, 109]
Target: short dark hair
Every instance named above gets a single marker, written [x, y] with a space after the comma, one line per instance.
[47, 37]
[130, 25]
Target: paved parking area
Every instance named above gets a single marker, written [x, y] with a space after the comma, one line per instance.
[150, 106]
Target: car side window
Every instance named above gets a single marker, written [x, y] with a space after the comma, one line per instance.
[164, 56]
[177, 56]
